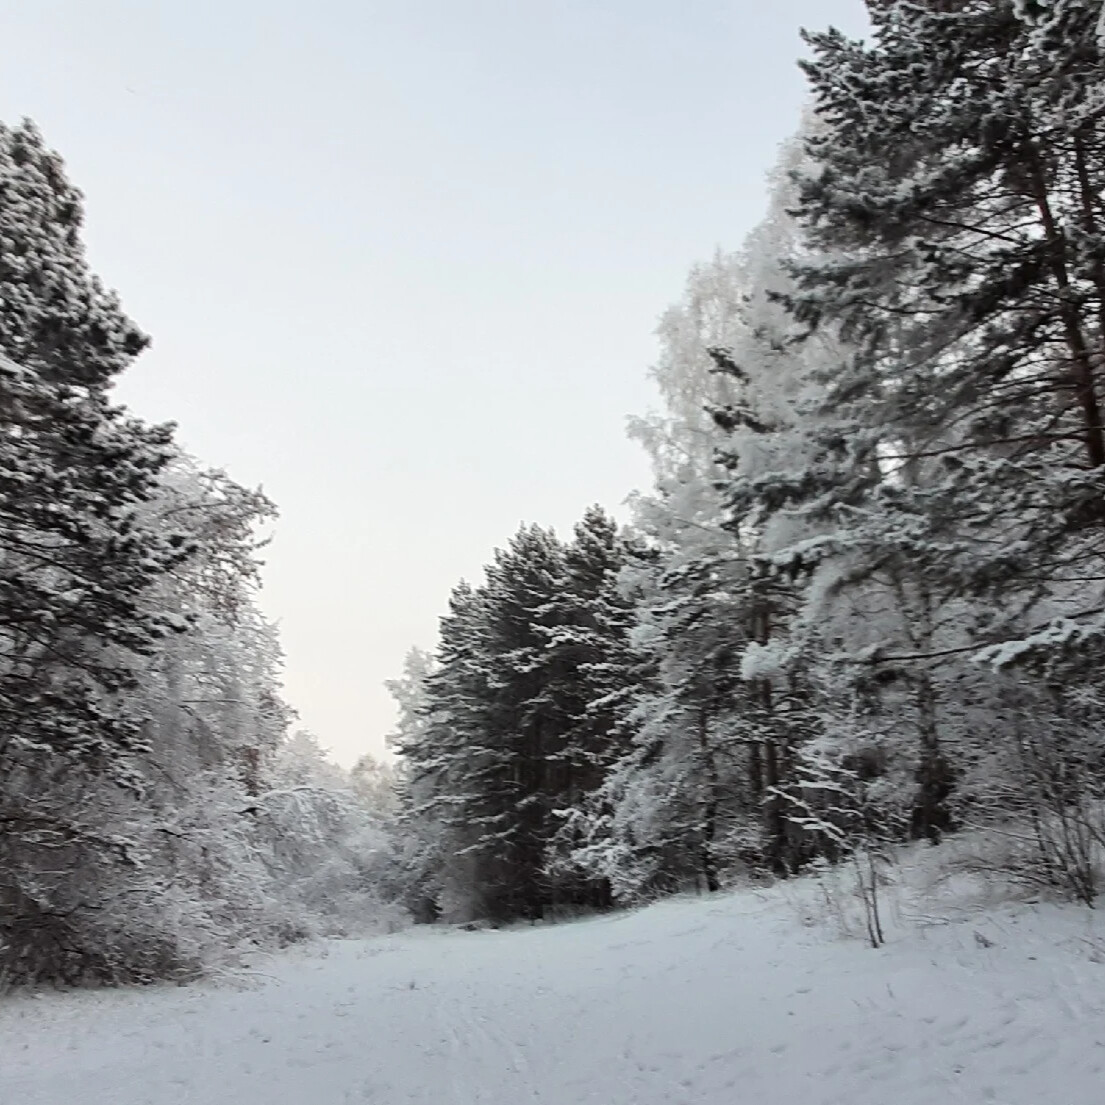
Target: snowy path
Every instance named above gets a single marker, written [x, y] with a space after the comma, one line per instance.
[697, 1003]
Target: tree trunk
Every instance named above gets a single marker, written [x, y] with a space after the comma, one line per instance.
[710, 806]
[775, 825]
[930, 817]
[1082, 372]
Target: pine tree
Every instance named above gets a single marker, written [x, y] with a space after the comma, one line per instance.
[954, 194]
[77, 563]
[593, 673]
[521, 727]
[951, 479]
[74, 472]
[517, 724]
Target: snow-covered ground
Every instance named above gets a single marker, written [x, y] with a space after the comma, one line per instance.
[697, 1002]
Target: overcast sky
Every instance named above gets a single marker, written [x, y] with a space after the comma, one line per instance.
[402, 261]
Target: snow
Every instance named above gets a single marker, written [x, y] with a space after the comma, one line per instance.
[706, 1001]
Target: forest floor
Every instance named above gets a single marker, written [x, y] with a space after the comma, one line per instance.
[755, 996]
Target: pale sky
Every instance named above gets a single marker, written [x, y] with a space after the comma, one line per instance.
[402, 261]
